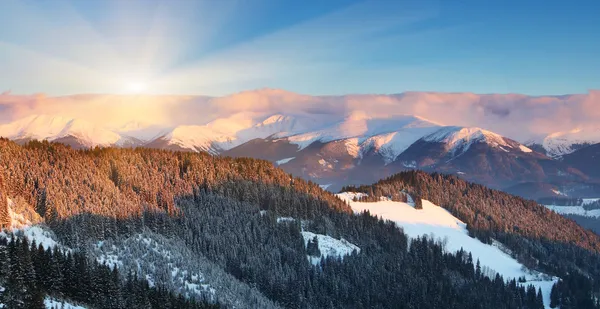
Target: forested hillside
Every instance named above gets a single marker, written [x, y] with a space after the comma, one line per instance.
[245, 221]
[538, 237]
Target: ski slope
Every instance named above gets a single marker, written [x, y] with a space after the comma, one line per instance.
[435, 221]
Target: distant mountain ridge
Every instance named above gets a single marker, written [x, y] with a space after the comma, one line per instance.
[338, 140]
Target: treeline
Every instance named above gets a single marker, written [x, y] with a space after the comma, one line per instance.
[29, 273]
[573, 292]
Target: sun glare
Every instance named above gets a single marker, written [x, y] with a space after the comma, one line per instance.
[136, 87]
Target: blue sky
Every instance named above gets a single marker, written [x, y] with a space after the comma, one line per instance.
[315, 47]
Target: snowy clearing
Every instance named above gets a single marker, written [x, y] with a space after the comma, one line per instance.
[574, 210]
[437, 221]
[329, 246]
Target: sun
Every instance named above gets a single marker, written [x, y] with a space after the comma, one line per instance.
[137, 87]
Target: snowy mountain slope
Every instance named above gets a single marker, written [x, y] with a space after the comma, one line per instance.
[438, 222]
[225, 133]
[360, 131]
[559, 144]
[76, 132]
[485, 157]
[458, 140]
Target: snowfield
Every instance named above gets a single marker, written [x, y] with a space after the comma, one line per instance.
[329, 246]
[436, 221]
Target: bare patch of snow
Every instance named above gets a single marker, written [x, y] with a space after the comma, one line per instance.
[525, 149]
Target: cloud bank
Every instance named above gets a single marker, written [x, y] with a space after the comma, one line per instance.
[517, 116]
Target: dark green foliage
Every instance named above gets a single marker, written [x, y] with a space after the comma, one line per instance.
[34, 272]
[312, 247]
[573, 292]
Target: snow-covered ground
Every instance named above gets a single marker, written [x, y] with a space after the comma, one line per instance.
[439, 223]
[574, 210]
[577, 210]
[329, 246]
[52, 303]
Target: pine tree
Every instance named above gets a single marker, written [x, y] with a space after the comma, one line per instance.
[554, 296]
[312, 247]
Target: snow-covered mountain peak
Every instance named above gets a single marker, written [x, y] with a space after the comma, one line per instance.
[277, 118]
[558, 144]
[452, 135]
[461, 138]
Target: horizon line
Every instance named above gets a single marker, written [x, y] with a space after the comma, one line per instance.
[264, 89]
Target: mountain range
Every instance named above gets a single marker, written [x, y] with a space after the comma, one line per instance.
[345, 140]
